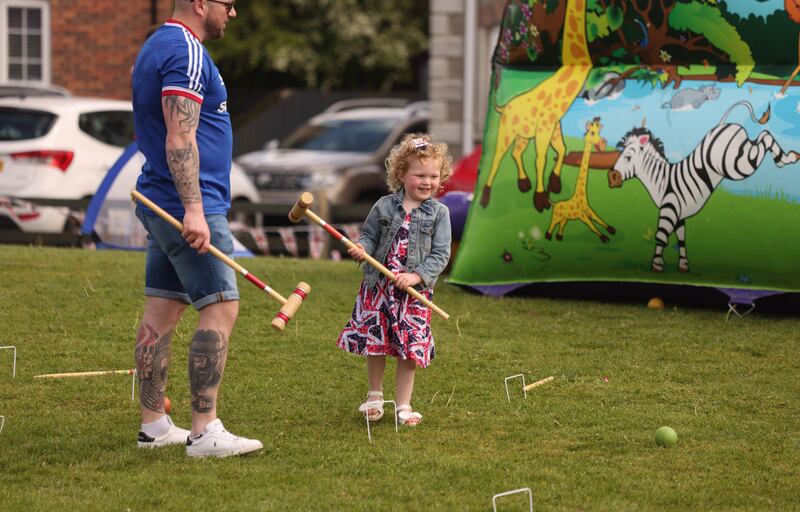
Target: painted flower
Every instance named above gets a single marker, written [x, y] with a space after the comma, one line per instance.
[665, 56]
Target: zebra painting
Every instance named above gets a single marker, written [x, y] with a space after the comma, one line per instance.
[681, 189]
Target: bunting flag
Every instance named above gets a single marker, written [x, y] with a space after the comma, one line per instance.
[258, 235]
[289, 240]
[352, 231]
[316, 242]
[260, 239]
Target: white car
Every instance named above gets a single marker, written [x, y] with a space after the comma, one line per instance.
[19, 215]
[61, 148]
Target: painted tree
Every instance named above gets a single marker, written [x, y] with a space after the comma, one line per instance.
[670, 33]
[793, 10]
[656, 36]
[530, 33]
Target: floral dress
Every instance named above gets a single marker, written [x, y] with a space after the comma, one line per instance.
[387, 320]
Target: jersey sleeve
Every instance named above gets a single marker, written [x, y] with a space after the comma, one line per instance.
[182, 71]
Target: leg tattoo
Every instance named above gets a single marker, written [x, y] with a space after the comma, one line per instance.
[206, 362]
[152, 362]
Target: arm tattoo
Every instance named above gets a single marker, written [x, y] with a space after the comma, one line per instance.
[183, 111]
[207, 355]
[182, 115]
[152, 362]
[184, 165]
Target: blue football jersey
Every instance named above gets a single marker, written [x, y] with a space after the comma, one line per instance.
[173, 61]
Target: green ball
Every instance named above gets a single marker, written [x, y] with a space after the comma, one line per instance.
[666, 437]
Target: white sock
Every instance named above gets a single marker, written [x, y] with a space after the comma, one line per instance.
[156, 428]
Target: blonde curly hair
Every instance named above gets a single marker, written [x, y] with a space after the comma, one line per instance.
[421, 146]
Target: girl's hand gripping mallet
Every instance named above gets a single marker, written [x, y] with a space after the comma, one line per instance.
[289, 306]
[301, 208]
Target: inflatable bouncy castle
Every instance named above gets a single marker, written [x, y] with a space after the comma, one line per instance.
[652, 141]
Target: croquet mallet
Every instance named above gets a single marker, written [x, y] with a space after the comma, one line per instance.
[538, 383]
[85, 374]
[301, 208]
[288, 306]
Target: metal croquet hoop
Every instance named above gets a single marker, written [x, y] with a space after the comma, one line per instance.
[2, 423]
[524, 389]
[515, 491]
[288, 306]
[14, 368]
[394, 404]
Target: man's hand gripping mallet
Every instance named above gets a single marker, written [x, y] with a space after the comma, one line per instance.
[289, 306]
[301, 208]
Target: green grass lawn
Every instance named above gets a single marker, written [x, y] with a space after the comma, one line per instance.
[729, 388]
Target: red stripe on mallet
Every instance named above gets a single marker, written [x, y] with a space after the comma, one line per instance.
[256, 281]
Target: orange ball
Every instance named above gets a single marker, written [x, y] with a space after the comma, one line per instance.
[167, 405]
[655, 303]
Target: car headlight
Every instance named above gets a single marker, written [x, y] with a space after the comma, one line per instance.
[323, 179]
[262, 179]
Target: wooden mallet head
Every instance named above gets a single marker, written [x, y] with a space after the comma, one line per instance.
[299, 209]
[291, 306]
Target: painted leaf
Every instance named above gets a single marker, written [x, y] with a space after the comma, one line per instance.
[706, 20]
[596, 26]
[615, 17]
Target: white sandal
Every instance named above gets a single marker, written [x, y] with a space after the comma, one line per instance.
[374, 405]
[405, 415]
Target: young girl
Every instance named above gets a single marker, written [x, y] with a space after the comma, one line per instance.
[409, 232]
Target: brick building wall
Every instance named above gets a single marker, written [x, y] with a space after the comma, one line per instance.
[94, 43]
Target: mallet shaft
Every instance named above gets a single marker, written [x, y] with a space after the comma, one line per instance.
[538, 383]
[372, 261]
[84, 374]
[137, 196]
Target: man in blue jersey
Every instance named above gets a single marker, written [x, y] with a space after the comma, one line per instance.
[184, 130]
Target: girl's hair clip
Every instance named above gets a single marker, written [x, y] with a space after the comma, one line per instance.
[419, 143]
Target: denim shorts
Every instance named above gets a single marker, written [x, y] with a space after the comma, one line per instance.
[175, 270]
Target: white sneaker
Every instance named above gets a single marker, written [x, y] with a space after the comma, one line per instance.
[215, 441]
[175, 435]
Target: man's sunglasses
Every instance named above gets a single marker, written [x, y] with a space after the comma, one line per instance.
[228, 5]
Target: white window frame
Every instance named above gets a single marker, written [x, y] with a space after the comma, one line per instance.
[44, 6]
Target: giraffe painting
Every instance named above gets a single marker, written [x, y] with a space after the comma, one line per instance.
[536, 114]
[577, 206]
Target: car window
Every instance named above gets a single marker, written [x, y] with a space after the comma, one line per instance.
[113, 127]
[358, 135]
[21, 124]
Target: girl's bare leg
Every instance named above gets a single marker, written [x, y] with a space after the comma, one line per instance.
[405, 383]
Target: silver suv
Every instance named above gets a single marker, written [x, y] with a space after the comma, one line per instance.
[339, 153]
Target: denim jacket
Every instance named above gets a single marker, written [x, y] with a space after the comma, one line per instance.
[428, 237]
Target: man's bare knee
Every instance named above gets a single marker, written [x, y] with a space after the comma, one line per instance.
[163, 314]
[220, 315]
